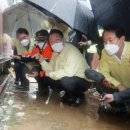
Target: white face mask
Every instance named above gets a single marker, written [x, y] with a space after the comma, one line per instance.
[111, 49]
[58, 47]
[25, 42]
[41, 44]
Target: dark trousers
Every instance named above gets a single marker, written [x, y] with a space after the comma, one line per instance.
[73, 86]
[20, 71]
[42, 84]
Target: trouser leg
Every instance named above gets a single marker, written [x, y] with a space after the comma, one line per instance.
[17, 68]
[23, 70]
[43, 84]
[74, 87]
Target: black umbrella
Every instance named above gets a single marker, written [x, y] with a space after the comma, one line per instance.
[75, 13]
[108, 12]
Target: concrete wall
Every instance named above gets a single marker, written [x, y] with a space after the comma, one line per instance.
[1, 32]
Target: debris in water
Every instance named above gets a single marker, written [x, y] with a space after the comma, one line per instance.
[20, 114]
[20, 107]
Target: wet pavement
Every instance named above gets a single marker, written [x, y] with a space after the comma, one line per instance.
[24, 111]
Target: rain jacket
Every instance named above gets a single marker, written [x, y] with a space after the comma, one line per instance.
[70, 62]
[22, 50]
[116, 71]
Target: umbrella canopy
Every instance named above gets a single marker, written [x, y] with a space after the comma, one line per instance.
[112, 12]
[23, 15]
[74, 13]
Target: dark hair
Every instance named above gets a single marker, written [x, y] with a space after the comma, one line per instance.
[22, 30]
[42, 33]
[119, 31]
[56, 31]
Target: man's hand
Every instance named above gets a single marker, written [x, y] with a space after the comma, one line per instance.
[16, 57]
[34, 75]
[109, 98]
[38, 57]
[83, 43]
[121, 87]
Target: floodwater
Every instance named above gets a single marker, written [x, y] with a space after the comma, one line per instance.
[23, 111]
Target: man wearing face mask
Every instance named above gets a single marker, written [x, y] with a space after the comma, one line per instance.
[41, 47]
[66, 69]
[115, 60]
[115, 63]
[21, 45]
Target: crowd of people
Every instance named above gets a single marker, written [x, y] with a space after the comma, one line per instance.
[56, 63]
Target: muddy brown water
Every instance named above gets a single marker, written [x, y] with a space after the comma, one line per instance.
[35, 115]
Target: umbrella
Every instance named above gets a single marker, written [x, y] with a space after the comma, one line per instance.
[108, 12]
[74, 13]
[22, 15]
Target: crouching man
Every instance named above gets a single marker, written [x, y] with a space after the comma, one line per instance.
[115, 61]
[66, 69]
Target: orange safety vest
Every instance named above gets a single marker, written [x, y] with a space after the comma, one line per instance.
[46, 53]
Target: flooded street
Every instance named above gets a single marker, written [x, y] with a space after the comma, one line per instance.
[23, 111]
